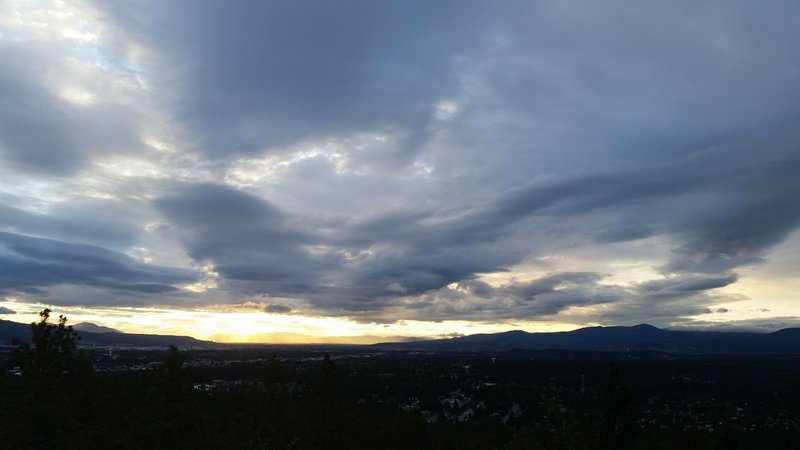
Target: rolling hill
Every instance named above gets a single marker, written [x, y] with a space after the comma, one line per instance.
[639, 337]
[11, 330]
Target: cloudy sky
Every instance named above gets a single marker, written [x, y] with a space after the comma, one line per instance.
[232, 170]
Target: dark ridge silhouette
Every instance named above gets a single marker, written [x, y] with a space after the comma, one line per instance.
[93, 328]
[619, 338]
[615, 338]
[13, 330]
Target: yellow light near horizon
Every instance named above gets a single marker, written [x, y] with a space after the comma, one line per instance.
[259, 327]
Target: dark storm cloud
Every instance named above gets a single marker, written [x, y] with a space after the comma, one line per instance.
[249, 240]
[736, 201]
[266, 74]
[277, 308]
[681, 285]
[93, 221]
[364, 267]
[554, 293]
[724, 207]
[4, 310]
[31, 263]
[540, 297]
[273, 74]
[660, 302]
[245, 237]
[669, 77]
[553, 283]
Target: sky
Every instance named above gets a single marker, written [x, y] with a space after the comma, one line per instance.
[362, 171]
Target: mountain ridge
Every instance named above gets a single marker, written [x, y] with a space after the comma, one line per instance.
[13, 330]
[94, 328]
[603, 338]
[615, 338]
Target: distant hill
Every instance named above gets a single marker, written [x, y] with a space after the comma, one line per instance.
[94, 328]
[13, 330]
[10, 330]
[639, 337]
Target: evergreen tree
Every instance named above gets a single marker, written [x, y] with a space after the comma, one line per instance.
[328, 415]
[52, 352]
[57, 378]
[618, 412]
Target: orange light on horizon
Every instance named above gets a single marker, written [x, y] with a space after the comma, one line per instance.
[256, 326]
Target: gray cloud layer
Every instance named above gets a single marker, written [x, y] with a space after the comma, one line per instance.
[33, 263]
[377, 160]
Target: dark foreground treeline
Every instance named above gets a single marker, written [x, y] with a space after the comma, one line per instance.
[60, 402]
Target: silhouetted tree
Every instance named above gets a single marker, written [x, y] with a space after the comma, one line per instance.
[52, 352]
[554, 417]
[329, 414]
[173, 378]
[172, 402]
[276, 373]
[326, 390]
[274, 417]
[618, 412]
[57, 381]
